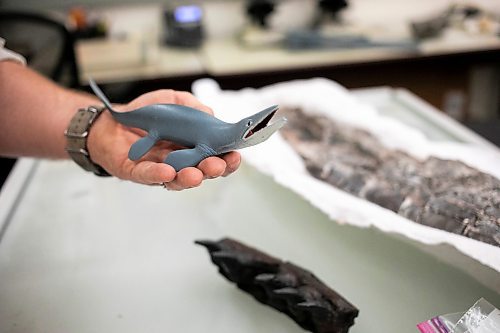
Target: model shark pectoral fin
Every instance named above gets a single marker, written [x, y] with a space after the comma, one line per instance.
[184, 158]
[142, 146]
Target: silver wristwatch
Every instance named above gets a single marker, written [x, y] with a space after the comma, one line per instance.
[76, 139]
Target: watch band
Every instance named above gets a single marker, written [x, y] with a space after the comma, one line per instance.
[76, 139]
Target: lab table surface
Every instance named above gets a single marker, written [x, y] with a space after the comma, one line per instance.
[85, 254]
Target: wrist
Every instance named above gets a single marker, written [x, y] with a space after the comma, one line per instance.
[97, 138]
[77, 139]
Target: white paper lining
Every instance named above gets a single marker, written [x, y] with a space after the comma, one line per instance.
[277, 159]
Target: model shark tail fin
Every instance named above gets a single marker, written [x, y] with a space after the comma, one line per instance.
[98, 92]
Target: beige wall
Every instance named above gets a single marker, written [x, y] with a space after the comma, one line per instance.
[226, 17]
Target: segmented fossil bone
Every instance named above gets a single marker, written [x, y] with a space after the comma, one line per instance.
[284, 286]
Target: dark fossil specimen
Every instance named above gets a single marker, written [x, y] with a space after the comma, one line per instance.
[284, 286]
[443, 194]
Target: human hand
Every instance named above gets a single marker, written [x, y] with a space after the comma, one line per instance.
[109, 142]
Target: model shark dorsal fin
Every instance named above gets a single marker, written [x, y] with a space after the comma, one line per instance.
[98, 92]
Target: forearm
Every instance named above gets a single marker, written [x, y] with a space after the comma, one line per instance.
[34, 112]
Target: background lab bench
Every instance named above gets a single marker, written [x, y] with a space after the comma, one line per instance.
[437, 69]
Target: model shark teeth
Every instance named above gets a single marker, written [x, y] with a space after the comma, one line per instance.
[258, 125]
[260, 130]
[262, 135]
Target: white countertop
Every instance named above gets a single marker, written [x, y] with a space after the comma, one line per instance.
[87, 254]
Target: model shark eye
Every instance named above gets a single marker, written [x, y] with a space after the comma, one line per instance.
[250, 123]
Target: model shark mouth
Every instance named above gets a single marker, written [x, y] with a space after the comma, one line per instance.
[260, 125]
[262, 129]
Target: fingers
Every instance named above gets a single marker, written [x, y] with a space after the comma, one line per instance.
[186, 178]
[233, 161]
[209, 168]
[151, 170]
[153, 173]
[148, 172]
[179, 97]
[185, 98]
[167, 96]
[212, 167]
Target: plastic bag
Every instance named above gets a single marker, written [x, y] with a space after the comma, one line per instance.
[482, 317]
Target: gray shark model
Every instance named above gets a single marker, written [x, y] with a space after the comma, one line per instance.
[202, 134]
